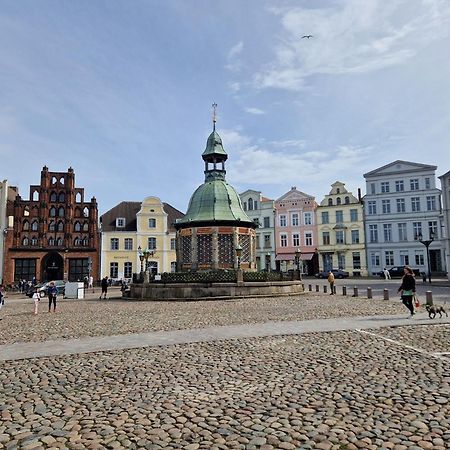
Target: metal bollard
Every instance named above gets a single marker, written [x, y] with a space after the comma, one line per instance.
[344, 290]
[369, 292]
[325, 289]
[355, 292]
[317, 288]
[429, 297]
[309, 287]
[385, 294]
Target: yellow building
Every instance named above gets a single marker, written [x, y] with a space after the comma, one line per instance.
[132, 227]
[340, 226]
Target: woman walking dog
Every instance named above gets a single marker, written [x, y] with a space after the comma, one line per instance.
[408, 289]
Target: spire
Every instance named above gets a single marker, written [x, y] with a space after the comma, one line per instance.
[214, 105]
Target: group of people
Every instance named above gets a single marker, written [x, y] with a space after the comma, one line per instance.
[52, 294]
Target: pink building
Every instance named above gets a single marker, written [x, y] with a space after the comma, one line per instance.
[295, 228]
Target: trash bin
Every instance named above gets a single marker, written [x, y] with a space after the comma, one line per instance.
[74, 289]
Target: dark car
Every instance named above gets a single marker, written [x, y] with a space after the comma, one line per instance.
[398, 272]
[42, 288]
[338, 273]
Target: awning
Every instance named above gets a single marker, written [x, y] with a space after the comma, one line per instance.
[291, 257]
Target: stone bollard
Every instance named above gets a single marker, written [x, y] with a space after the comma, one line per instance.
[317, 288]
[325, 289]
[429, 298]
[344, 290]
[369, 292]
[385, 294]
[355, 292]
[309, 287]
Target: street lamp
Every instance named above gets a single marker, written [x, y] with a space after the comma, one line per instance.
[268, 261]
[147, 254]
[238, 250]
[427, 245]
[141, 258]
[298, 255]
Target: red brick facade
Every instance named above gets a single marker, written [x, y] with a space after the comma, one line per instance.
[55, 233]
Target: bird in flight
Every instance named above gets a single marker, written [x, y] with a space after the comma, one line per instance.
[307, 36]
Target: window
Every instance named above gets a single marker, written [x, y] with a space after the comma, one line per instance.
[258, 244]
[85, 226]
[372, 188]
[61, 197]
[431, 203]
[417, 229]
[85, 211]
[61, 212]
[354, 215]
[433, 228]
[114, 270]
[389, 258]
[384, 186]
[151, 243]
[373, 233]
[308, 239]
[77, 242]
[128, 244]
[307, 216]
[34, 225]
[347, 200]
[24, 269]
[371, 207]
[295, 239]
[294, 219]
[387, 232]
[59, 242]
[326, 238]
[26, 225]
[34, 240]
[114, 243]
[415, 204]
[52, 211]
[375, 259]
[60, 225]
[256, 220]
[51, 242]
[250, 204]
[386, 206]
[356, 260]
[404, 258]
[340, 237]
[338, 201]
[401, 205]
[53, 197]
[128, 269]
[282, 220]
[414, 183]
[330, 202]
[339, 216]
[419, 258]
[266, 222]
[267, 241]
[283, 240]
[399, 186]
[355, 236]
[77, 226]
[325, 217]
[427, 183]
[402, 234]
[341, 260]
[245, 206]
[173, 243]
[152, 223]
[120, 222]
[78, 268]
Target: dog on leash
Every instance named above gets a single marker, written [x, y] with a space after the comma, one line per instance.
[434, 309]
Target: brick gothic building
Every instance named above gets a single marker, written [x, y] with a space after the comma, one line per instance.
[54, 233]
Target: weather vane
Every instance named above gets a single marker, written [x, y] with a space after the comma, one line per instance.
[214, 105]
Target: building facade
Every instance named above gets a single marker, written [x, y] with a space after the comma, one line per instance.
[402, 205]
[6, 222]
[132, 227]
[261, 210]
[445, 188]
[54, 234]
[296, 229]
[340, 228]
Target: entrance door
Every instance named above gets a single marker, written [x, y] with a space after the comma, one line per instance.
[52, 267]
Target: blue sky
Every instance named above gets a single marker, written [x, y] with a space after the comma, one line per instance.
[121, 90]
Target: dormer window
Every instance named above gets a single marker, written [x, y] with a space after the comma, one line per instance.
[120, 222]
[152, 223]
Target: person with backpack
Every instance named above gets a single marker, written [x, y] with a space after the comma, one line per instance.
[52, 292]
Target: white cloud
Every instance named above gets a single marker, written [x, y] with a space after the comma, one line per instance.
[234, 62]
[256, 111]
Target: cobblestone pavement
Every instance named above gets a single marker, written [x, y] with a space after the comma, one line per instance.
[341, 390]
[80, 318]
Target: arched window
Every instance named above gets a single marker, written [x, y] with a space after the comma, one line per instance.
[61, 197]
[52, 211]
[51, 225]
[330, 202]
[347, 200]
[76, 242]
[25, 241]
[250, 204]
[51, 242]
[338, 190]
[26, 211]
[85, 242]
[59, 242]
[34, 240]
[77, 226]
[62, 181]
[26, 225]
[78, 198]
[86, 211]
[35, 196]
[34, 225]
[54, 180]
[338, 201]
[60, 225]
[53, 197]
[85, 226]
[61, 212]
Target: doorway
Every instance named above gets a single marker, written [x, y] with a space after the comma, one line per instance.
[52, 267]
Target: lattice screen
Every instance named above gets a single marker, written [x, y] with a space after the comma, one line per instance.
[186, 249]
[226, 249]
[244, 242]
[204, 248]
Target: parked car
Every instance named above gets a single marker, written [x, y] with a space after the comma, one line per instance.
[338, 273]
[398, 272]
[42, 288]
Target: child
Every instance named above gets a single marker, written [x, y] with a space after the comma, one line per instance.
[36, 299]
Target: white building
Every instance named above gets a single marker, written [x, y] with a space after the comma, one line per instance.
[445, 186]
[402, 205]
[260, 210]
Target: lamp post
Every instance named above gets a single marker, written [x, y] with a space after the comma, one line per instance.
[298, 255]
[427, 245]
[238, 250]
[141, 259]
[147, 254]
[268, 261]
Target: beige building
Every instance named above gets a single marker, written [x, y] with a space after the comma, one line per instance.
[340, 226]
[131, 227]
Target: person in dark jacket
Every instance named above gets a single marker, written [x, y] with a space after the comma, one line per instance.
[104, 287]
[52, 293]
[408, 289]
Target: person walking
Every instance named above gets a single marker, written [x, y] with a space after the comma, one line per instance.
[387, 275]
[331, 282]
[91, 283]
[104, 287]
[407, 289]
[2, 298]
[37, 299]
[52, 293]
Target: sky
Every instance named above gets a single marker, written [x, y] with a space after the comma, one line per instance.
[121, 91]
